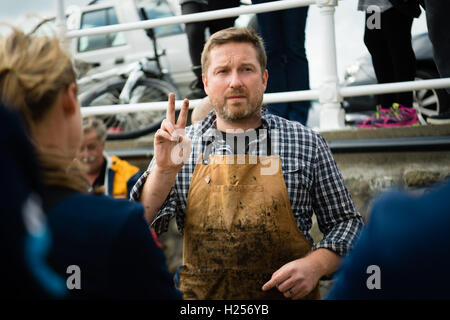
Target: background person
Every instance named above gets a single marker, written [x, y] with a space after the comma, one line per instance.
[106, 174]
[393, 59]
[438, 24]
[245, 230]
[195, 32]
[107, 239]
[283, 33]
[201, 110]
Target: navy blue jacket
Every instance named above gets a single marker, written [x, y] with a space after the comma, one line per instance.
[109, 240]
[408, 238]
[410, 8]
[25, 273]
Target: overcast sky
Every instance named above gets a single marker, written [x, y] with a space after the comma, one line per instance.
[15, 11]
[349, 29]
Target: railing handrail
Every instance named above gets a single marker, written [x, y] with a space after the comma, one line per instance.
[405, 86]
[193, 17]
[329, 94]
[290, 96]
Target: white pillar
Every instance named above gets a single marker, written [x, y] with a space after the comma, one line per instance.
[61, 23]
[331, 114]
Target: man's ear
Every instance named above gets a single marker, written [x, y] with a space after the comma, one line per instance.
[205, 83]
[265, 78]
[70, 99]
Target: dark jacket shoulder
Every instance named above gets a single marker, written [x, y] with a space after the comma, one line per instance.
[409, 8]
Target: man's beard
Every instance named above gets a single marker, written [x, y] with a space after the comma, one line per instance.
[223, 112]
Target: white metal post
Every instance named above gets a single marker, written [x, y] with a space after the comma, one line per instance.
[331, 114]
[61, 23]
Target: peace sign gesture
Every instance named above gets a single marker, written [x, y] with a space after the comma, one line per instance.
[172, 147]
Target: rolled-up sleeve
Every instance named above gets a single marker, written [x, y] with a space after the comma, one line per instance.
[168, 210]
[337, 217]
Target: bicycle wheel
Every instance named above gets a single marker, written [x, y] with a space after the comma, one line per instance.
[135, 124]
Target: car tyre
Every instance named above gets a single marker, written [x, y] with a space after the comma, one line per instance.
[430, 102]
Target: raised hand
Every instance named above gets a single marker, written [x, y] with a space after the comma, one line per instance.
[172, 147]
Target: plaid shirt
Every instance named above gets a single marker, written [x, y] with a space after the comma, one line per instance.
[312, 178]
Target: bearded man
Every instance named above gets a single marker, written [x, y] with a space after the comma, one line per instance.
[245, 196]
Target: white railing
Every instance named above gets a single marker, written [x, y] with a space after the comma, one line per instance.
[329, 93]
[210, 15]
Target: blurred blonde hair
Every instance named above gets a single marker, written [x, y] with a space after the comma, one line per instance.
[33, 71]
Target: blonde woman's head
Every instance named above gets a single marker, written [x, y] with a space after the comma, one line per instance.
[34, 71]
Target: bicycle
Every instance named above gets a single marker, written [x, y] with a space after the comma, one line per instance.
[142, 81]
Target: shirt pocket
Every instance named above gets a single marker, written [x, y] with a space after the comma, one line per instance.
[299, 173]
[299, 184]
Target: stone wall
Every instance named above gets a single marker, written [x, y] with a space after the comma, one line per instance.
[367, 175]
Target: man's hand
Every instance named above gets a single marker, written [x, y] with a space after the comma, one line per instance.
[295, 279]
[299, 277]
[172, 147]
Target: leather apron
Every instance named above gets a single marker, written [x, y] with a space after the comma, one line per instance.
[239, 229]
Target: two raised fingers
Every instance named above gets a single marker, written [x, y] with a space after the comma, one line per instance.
[182, 117]
[175, 129]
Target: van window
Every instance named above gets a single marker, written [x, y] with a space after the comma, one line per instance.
[100, 18]
[155, 10]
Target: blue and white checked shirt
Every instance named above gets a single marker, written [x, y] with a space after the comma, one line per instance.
[312, 178]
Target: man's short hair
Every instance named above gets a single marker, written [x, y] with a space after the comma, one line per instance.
[90, 124]
[229, 35]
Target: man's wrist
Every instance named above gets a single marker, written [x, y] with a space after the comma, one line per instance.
[165, 171]
[324, 260]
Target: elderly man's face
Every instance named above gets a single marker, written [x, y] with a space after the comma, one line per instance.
[91, 152]
[234, 81]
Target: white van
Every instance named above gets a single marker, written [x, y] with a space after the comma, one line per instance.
[112, 50]
[115, 49]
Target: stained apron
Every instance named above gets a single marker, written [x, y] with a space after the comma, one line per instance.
[239, 229]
